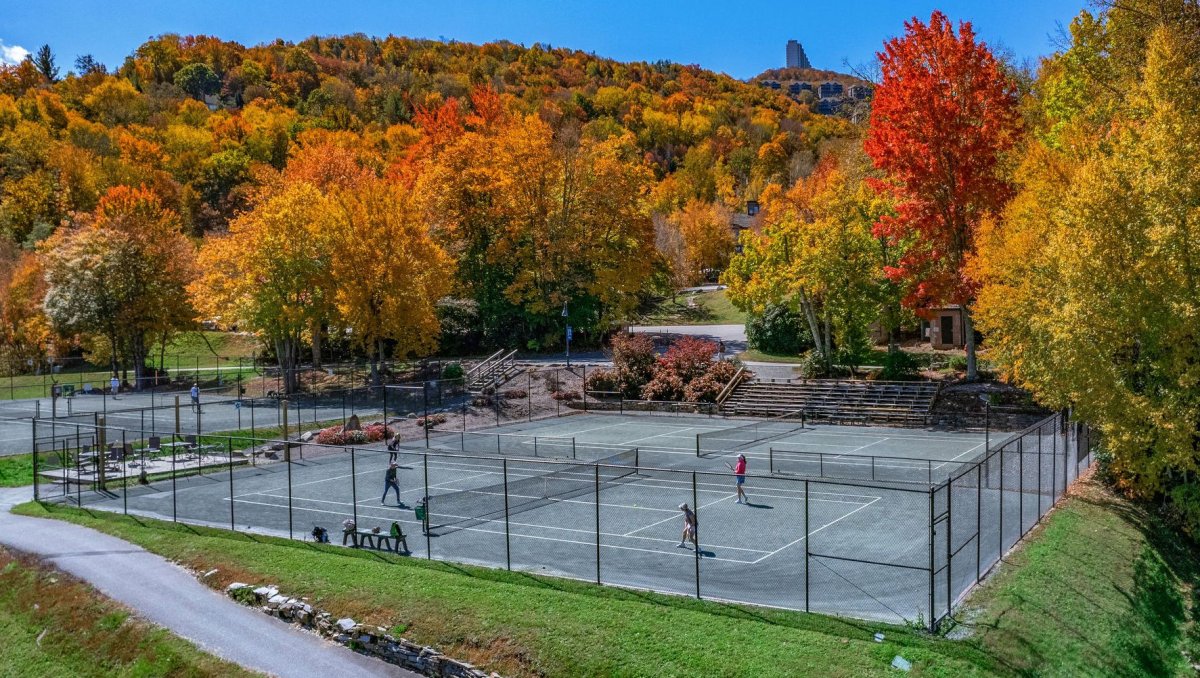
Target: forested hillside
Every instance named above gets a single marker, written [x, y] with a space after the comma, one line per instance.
[196, 135]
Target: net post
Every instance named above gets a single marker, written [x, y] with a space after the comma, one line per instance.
[573, 451]
[806, 548]
[771, 460]
[872, 467]
[535, 446]
[697, 445]
[425, 522]
[696, 533]
[596, 470]
[507, 537]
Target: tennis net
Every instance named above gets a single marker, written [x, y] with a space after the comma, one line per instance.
[740, 437]
[520, 492]
[504, 444]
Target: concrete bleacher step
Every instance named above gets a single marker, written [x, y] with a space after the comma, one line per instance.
[836, 399]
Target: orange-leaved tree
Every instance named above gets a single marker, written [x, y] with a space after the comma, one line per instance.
[120, 273]
[943, 117]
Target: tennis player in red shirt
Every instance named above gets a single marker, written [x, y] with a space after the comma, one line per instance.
[739, 472]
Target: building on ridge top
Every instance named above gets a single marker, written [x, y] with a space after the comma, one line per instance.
[796, 58]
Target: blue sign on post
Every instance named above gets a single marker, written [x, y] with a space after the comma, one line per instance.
[570, 334]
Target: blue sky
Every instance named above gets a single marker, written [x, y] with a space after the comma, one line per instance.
[739, 38]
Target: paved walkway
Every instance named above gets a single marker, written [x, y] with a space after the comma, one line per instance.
[167, 595]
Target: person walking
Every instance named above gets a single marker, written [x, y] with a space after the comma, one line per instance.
[114, 385]
[393, 446]
[739, 473]
[195, 393]
[689, 527]
[389, 483]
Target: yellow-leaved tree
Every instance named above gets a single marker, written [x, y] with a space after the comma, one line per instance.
[1090, 290]
[265, 274]
[387, 271]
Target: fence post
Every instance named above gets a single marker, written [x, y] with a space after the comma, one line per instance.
[232, 524]
[949, 547]
[583, 387]
[529, 394]
[428, 542]
[1021, 483]
[354, 486]
[806, 549]
[288, 461]
[696, 514]
[36, 497]
[1039, 481]
[978, 521]
[1000, 553]
[596, 470]
[174, 494]
[507, 533]
[932, 614]
[124, 477]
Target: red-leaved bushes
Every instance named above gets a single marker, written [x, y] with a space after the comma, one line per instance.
[336, 435]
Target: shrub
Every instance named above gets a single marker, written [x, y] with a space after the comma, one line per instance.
[633, 361]
[602, 379]
[813, 365]
[703, 389]
[898, 366]
[958, 363]
[377, 432]
[337, 435]
[432, 420]
[687, 359]
[665, 385]
[722, 371]
[515, 394]
[565, 395]
[1185, 502]
[779, 330]
[452, 371]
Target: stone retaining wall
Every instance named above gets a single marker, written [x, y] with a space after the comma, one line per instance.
[373, 641]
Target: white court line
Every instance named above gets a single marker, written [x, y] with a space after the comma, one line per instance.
[816, 531]
[533, 525]
[876, 442]
[657, 435]
[960, 456]
[697, 508]
[688, 554]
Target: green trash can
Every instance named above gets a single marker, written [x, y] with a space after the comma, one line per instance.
[420, 511]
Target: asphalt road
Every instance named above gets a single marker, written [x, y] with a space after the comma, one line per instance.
[169, 596]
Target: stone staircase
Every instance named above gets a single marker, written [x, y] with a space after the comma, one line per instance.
[907, 402]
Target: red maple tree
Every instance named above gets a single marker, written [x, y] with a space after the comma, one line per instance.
[942, 118]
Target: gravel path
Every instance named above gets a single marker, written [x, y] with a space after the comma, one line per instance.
[166, 594]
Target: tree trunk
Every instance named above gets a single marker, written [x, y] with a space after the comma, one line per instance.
[969, 339]
[317, 333]
[285, 350]
[137, 351]
[814, 326]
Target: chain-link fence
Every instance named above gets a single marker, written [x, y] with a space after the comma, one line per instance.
[897, 549]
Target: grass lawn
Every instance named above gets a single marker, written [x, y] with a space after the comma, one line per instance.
[757, 355]
[1101, 588]
[526, 625]
[16, 470]
[710, 308]
[184, 353]
[53, 625]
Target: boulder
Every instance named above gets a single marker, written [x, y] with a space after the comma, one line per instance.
[307, 436]
[352, 424]
[346, 625]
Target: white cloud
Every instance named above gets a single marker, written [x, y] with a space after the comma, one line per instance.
[10, 55]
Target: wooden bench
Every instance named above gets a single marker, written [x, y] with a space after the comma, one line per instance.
[380, 541]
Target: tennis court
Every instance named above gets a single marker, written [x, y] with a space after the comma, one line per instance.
[596, 497]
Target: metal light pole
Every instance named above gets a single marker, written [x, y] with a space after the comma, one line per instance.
[564, 314]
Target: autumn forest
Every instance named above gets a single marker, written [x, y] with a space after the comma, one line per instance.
[415, 196]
